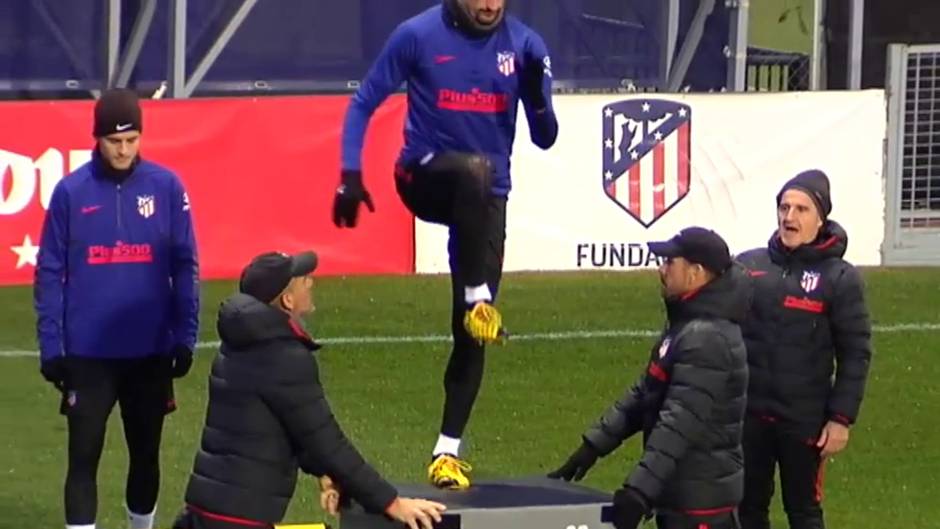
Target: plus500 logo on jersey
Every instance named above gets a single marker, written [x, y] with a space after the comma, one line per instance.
[472, 101]
[120, 253]
[20, 174]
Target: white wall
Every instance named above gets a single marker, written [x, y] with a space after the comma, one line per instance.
[743, 148]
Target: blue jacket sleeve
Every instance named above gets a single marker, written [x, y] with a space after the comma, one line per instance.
[543, 125]
[390, 70]
[49, 281]
[184, 270]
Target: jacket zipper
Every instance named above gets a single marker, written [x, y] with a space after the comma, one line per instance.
[772, 364]
[119, 208]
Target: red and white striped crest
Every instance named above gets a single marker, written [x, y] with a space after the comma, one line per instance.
[810, 281]
[647, 156]
[506, 62]
[146, 206]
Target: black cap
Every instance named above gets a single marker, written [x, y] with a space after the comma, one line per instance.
[118, 110]
[269, 273]
[696, 245]
[814, 183]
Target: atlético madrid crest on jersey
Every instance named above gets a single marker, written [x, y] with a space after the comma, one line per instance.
[647, 156]
[146, 206]
[506, 62]
[810, 281]
[664, 347]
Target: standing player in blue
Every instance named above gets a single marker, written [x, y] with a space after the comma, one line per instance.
[467, 65]
[117, 300]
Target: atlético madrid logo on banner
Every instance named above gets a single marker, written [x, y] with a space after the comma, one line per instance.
[647, 156]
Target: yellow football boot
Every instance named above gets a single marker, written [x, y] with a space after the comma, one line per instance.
[449, 472]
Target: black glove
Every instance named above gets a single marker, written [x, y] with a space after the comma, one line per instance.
[630, 507]
[55, 371]
[578, 464]
[531, 80]
[181, 361]
[349, 195]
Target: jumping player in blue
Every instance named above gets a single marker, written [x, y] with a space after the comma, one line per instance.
[467, 65]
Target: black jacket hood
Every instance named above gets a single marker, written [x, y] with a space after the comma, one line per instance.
[832, 241]
[727, 297]
[245, 321]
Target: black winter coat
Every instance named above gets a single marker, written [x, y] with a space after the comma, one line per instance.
[267, 416]
[689, 403]
[808, 322]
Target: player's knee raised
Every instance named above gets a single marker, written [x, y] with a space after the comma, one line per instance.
[479, 172]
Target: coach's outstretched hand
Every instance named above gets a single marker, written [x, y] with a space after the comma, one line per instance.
[349, 195]
[330, 496]
[577, 465]
[630, 507]
[416, 513]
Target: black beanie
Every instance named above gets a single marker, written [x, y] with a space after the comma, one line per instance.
[814, 183]
[118, 110]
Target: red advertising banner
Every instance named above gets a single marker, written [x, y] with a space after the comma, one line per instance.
[260, 174]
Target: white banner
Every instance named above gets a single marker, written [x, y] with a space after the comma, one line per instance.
[627, 170]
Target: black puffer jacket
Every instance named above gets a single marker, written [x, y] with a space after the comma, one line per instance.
[689, 404]
[267, 416]
[808, 315]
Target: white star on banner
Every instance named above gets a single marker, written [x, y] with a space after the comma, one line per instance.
[26, 253]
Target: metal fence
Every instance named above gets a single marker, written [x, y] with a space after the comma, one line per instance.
[913, 163]
[52, 48]
[777, 71]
